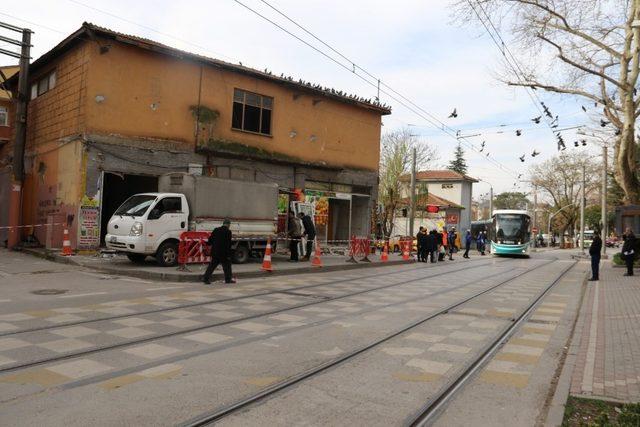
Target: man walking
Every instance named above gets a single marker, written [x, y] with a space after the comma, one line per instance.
[451, 242]
[294, 231]
[467, 244]
[629, 250]
[309, 233]
[220, 242]
[594, 251]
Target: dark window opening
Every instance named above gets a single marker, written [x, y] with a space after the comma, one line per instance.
[251, 112]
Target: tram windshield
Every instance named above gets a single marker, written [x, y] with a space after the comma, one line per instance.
[512, 229]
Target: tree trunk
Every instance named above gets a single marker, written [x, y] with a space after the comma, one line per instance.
[626, 172]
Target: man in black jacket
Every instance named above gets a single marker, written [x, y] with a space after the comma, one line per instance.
[419, 245]
[629, 251]
[594, 251]
[309, 233]
[220, 242]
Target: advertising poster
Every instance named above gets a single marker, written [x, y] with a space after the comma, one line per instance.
[89, 224]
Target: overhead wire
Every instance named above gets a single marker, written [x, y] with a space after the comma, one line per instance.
[515, 67]
[413, 107]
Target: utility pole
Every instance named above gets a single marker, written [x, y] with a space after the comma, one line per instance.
[22, 97]
[582, 202]
[535, 214]
[21, 108]
[412, 213]
[604, 229]
[490, 201]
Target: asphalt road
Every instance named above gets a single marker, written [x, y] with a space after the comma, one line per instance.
[360, 347]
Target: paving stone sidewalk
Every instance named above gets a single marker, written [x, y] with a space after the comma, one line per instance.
[607, 339]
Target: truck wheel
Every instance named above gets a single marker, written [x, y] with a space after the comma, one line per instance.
[136, 258]
[241, 254]
[167, 255]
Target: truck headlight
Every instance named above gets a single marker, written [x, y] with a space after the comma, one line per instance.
[136, 229]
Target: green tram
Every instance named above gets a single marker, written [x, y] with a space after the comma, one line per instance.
[510, 232]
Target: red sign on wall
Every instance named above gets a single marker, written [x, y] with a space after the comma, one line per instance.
[452, 219]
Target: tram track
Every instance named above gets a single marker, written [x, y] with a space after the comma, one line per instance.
[223, 412]
[240, 298]
[427, 414]
[315, 301]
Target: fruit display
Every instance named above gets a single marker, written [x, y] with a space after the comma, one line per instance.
[322, 211]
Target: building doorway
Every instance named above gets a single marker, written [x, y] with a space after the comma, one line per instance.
[339, 219]
[116, 189]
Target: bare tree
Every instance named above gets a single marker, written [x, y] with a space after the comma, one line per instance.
[395, 161]
[595, 46]
[560, 178]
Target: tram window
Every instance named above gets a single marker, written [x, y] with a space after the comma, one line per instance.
[513, 229]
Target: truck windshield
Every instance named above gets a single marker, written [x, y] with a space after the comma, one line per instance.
[135, 205]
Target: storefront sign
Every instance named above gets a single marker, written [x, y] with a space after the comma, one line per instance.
[343, 196]
[89, 224]
[452, 219]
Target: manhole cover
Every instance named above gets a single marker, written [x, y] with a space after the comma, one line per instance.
[50, 291]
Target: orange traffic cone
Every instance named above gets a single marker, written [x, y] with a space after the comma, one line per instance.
[266, 262]
[317, 262]
[66, 244]
[385, 253]
[405, 251]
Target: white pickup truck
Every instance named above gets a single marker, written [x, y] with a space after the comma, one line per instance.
[150, 224]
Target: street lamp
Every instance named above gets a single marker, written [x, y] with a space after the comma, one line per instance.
[604, 229]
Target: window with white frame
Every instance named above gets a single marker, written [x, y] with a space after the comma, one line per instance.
[4, 116]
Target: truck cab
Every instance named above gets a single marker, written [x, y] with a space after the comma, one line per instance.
[149, 224]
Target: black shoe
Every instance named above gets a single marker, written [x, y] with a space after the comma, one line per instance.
[231, 282]
[627, 274]
[593, 280]
[206, 282]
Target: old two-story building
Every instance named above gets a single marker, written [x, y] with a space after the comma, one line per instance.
[452, 190]
[109, 113]
[6, 126]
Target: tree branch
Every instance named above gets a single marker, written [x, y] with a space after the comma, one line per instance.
[588, 38]
[558, 90]
[579, 66]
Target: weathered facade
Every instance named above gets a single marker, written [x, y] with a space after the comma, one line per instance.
[109, 113]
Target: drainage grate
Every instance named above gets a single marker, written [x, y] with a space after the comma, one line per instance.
[50, 291]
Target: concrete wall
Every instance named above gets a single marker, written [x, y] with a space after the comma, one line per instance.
[453, 194]
[465, 214]
[147, 94]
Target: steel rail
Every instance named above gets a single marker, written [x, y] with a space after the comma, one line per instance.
[428, 413]
[42, 361]
[216, 415]
[216, 301]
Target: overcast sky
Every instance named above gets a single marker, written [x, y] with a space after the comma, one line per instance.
[412, 45]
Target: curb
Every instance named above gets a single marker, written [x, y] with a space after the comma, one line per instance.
[181, 277]
[557, 406]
